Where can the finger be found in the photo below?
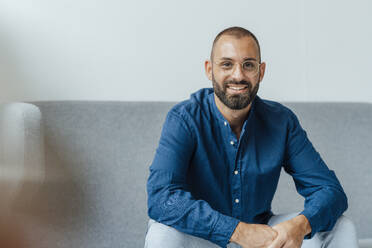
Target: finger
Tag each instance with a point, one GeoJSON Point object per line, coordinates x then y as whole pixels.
{"type": "Point", "coordinates": [286, 245]}
{"type": "Point", "coordinates": [275, 233]}
{"type": "Point", "coordinates": [292, 244]}
{"type": "Point", "coordinates": [277, 243]}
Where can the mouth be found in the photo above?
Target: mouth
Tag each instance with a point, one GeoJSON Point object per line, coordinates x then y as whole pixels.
{"type": "Point", "coordinates": [237, 88]}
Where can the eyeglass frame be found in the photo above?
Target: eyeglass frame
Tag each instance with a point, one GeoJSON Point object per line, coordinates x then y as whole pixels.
{"type": "Point", "coordinates": [241, 65]}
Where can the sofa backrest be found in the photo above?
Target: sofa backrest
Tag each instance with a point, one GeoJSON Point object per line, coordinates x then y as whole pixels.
{"type": "Point", "coordinates": [98, 154]}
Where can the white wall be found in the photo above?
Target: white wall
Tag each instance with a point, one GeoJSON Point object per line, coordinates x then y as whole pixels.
{"type": "Point", "coordinates": [315, 50]}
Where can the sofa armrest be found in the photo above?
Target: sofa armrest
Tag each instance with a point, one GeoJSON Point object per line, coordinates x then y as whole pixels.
{"type": "Point", "coordinates": [22, 164]}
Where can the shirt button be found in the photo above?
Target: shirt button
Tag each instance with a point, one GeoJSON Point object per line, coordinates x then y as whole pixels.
{"type": "Point", "coordinates": [236, 172]}
{"type": "Point", "coordinates": [225, 123]}
{"type": "Point", "coordinates": [232, 143]}
{"type": "Point", "coordinates": [236, 200]}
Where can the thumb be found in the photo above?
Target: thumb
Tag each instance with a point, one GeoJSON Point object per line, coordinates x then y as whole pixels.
{"type": "Point", "coordinates": [277, 243]}
{"type": "Point", "coordinates": [275, 231]}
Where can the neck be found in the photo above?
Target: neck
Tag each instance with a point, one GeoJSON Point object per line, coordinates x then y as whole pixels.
{"type": "Point", "coordinates": [235, 117]}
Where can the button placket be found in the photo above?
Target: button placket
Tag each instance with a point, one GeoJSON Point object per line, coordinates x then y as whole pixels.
{"type": "Point", "coordinates": [236, 180]}
{"type": "Point", "coordinates": [236, 189]}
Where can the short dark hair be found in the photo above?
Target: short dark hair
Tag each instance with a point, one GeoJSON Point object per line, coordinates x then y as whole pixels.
{"type": "Point", "coordinates": [237, 32]}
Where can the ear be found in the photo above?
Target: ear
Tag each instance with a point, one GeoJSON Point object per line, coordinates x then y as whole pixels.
{"type": "Point", "coordinates": [208, 69]}
{"type": "Point", "coordinates": [262, 71]}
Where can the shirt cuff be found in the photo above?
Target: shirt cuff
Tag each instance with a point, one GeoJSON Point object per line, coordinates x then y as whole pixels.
{"type": "Point", "coordinates": [223, 230]}
{"type": "Point", "coordinates": [313, 218]}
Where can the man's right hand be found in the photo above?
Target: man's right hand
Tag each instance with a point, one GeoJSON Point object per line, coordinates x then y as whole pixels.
{"type": "Point", "coordinates": [253, 235]}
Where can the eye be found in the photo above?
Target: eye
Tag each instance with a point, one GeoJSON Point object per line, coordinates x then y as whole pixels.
{"type": "Point", "coordinates": [226, 65]}
{"type": "Point", "coordinates": [249, 65]}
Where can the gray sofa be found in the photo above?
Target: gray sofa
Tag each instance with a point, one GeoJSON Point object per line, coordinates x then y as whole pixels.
{"type": "Point", "coordinates": [83, 166]}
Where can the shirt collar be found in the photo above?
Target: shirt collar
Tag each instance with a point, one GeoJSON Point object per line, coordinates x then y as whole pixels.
{"type": "Point", "coordinates": [221, 118]}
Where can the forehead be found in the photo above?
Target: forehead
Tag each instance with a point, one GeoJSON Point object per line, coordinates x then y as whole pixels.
{"type": "Point", "coordinates": [235, 48]}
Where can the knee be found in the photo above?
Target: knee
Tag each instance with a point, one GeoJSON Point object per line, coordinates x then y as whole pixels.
{"type": "Point", "coordinates": [159, 235]}
{"type": "Point", "coordinates": [345, 223]}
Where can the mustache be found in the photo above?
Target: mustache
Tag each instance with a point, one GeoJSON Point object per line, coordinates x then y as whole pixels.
{"type": "Point", "coordinates": [243, 82]}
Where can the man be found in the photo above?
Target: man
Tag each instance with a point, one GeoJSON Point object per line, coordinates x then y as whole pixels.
{"type": "Point", "coordinates": [218, 162]}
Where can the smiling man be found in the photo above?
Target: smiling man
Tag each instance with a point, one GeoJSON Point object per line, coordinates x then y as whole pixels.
{"type": "Point", "coordinates": [218, 163]}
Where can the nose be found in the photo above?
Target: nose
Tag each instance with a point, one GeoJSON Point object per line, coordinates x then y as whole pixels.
{"type": "Point", "coordinates": [237, 73]}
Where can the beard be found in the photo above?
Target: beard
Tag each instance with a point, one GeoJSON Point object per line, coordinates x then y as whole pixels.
{"type": "Point", "coordinates": [236, 101]}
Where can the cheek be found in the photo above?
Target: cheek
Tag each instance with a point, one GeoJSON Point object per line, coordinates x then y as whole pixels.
{"type": "Point", "coordinates": [254, 80]}
{"type": "Point", "coordinates": [258, 79]}
{"type": "Point", "coordinates": [219, 77]}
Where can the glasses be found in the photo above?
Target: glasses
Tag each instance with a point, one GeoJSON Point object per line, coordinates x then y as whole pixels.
{"type": "Point", "coordinates": [250, 67]}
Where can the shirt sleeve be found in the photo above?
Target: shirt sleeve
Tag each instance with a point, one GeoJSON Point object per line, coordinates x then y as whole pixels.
{"type": "Point", "coordinates": [169, 199]}
{"type": "Point", "coordinates": [325, 200]}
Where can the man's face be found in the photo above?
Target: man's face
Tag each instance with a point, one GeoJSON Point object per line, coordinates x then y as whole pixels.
{"type": "Point", "coordinates": [234, 82]}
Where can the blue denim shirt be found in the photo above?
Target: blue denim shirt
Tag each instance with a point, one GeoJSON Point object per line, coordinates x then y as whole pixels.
{"type": "Point", "coordinates": [203, 180]}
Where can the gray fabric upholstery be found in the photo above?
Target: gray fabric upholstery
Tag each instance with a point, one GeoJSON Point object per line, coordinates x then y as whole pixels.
{"type": "Point", "coordinates": [98, 154]}
{"type": "Point", "coordinates": [365, 243]}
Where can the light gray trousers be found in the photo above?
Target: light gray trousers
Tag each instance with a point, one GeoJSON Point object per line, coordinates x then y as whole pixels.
{"type": "Point", "coordinates": [343, 235]}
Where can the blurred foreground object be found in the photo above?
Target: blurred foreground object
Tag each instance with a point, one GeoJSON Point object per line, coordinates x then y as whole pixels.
{"type": "Point", "coordinates": [11, 234]}
{"type": "Point", "coordinates": [22, 168]}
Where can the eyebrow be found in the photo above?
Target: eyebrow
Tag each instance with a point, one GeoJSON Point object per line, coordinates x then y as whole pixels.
{"type": "Point", "coordinates": [245, 59]}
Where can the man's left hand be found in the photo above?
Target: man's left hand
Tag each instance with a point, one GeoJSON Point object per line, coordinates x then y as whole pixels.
{"type": "Point", "coordinates": [291, 233]}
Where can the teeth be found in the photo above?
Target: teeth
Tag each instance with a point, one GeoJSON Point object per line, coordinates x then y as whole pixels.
{"type": "Point", "coordinates": [237, 88]}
